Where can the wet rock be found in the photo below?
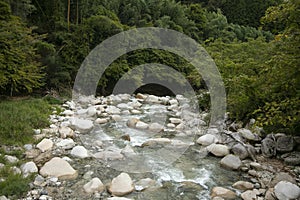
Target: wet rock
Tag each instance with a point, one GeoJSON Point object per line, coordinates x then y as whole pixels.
{"type": "Point", "coordinates": [268, 146]}
{"type": "Point", "coordinates": [285, 144]}
{"type": "Point", "coordinates": [156, 127]}
{"type": "Point", "coordinates": [45, 145]}
{"type": "Point", "coordinates": [223, 192]}
{"type": "Point", "coordinates": [141, 125]}
{"type": "Point", "coordinates": [250, 195]}
{"type": "Point", "coordinates": [132, 122]}
{"type": "Point", "coordinates": [240, 151]}
{"type": "Point", "coordinates": [29, 168]}
{"type": "Point", "coordinates": [121, 185]}
{"type": "Point", "coordinates": [243, 185]}
{"type": "Point", "coordinates": [144, 184]}
{"type": "Point", "coordinates": [218, 150]}
{"type": "Point", "coordinates": [109, 155]}
{"type": "Point", "coordinates": [128, 151]}
{"type": "Point", "coordinates": [286, 190]}
{"type": "Point", "coordinates": [207, 139]}
{"type": "Point", "coordinates": [95, 185]}
{"type": "Point", "coordinates": [65, 132]}
{"type": "Point", "coordinates": [156, 141]}
{"type": "Point", "coordinates": [59, 168]}
{"type": "Point", "coordinates": [66, 143]}
{"type": "Point", "coordinates": [116, 118]}
{"type": "Point", "coordinates": [231, 162]}
{"type": "Point", "coordinates": [80, 152]}
{"type": "Point", "coordinates": [126, 137]}
{"type": "Point", "coordinates": [82, 125]}
{"type": "Point", "coordinates": [292, 158]}
{"type": "Point", "coordinates": [11, 159]}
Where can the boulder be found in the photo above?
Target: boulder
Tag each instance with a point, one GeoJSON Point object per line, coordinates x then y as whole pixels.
{"type": "Point", "coordinates": [65, 132]}
{"type": "Point", "coordinates": [247, 134]}
{"type": "Point", "coordinates": [45, 145]}
{"type": "Point", "coordinates": [243, 185]}
{"type": "Point", "coordinates": [223, 192]}
{"type": "Point", "coordinates": [29, 168]}
{"type": "Point", "coordinates": [121, 185]}
{"type": "Point", "coordinates": [285, 144]}
{"type": "Point", "coordinates": [66, 143]}
{"type": "Point", "coordinates": [132, 122]}
{"type": "Point", "coordinates": [207, 139]}
{"type": "Point", "coordinates": [292, 158]}
{"type": "Point", "coordinates": [11, 159]}
{"type": "Point", "coordinates": [240, 151]}
{"type": "Point", "coordinates": [175, 120]}
{"type": "Point", "coordinates": [95, 185]}
{"type": "Point", "coordinates": [285, 190]}
{"type": "Point", "coordinates": [80, 152]}
{"type": "Point", "coordinates": [59, 168]}
{"type": "Point", "coordinates": [231, 162]}
{"type": "Point", "coordinates": [218, 150]}
{"type": "Point", "coordinates": [82, 125]}
{"type": "Point", "coordinates": [281, 176]}
{"type": "Point", "coordinates": [268, 146]}
{"type": "Point", "coordinates": [250, 195]}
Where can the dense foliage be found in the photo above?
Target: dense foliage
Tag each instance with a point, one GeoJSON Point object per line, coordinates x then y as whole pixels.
{"type": "Point", "coordinates": [255, 45]}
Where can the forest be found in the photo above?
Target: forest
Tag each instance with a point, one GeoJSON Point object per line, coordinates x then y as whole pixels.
{"type": "Point", "coordinates": [255, 44]}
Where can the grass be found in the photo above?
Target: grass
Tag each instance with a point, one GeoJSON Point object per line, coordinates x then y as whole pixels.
{"type": "Point", "coordinates": [19, 118]}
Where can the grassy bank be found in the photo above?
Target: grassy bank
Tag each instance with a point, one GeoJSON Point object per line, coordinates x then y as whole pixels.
{"type": "Point", "coordinates": [18, 118]}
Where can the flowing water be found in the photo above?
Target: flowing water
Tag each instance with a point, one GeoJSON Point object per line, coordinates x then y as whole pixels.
{"type": "Point", "coordinates": [180, 169]}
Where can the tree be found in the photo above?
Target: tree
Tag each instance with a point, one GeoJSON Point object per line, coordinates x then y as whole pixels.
{"type": "Point", "coordinates": [20, 70]}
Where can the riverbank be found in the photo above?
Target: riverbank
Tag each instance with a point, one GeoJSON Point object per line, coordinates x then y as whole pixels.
{"type": "Point", "coordinates": [93, 148]}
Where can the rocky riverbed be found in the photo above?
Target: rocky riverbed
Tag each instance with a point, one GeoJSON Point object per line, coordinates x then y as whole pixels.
{"type": "Point", "coordinates": [148, 147]}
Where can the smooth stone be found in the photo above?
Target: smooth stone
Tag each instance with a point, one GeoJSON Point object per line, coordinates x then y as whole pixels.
{"type": "Point", "coordinates": [80, 152]}
{"type": "Point", "coordinates": [231, 162]}
{"type": "Point", "coordinates": [223, 192]}
{"type": "Point", "coordinates": [243, 185]}
{"type": "Point", "coordinates": [28, 168]}
{"type": "Point", "coordinates": [95, 185]}
{"type": "Point", "coordinates": [82, 125]}
{"type": "Point", "coordinates": [247, 134]}
{"type": "Point", "coordinates": [207, 140]}
{"type": "Point", "coordinates": [101, 120]}
{"type": "Point", "coordinates": [140, 96]}
{"type": "Point", "coordinates": [285, 190]}
{"type": "Point", "coordinates": [116, 118]}
{"type": "Point", "coordinates": [240, 151]}
{"type": "Point", "coordinates": [141, 125]}
{"type": "Point", "coordinates": [175, 120]}
{"type": "Point", "coordinates": [45, 145]}
{"type": "Point", "coordinates": [59, 168]}
{"type": "Point", "coordinates": [170, 125]}
{"type": "Point", "coordinates": [121, 185]}
{"type": "Point", "coordinates": [250, 194]}
{"type": "Point", "coordinates": [218, 150]}
{"type": "Point", "coordinates": [68, 112]}
{"type": "Point", "coordinates": [156, 127]}
{"type": "Point", "coordinates": [282, 176]}
{"type": "Point", "coordinates": [112, 110]}
{"type": "Point", "coordinates": [11, 159]}
{"type": "Point", "coordinates": [152, 99]}
{"type": "Point", "coordinates": [65, 132]}
{"type": "Point", "coordinates": [91, 111]}
{"type": "Point", "coordinates": [132, 122]}
{"type": "Point", "coordinates": [66, 143]}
